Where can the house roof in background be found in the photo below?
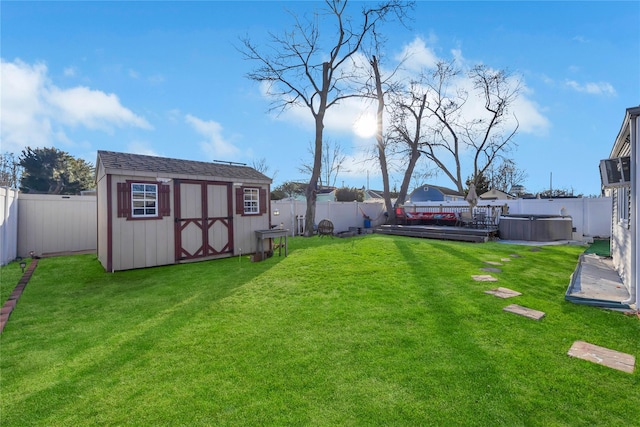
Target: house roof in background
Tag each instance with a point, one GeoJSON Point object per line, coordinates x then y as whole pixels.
{"type": "Point", "coordinates": [444, 190]}
{"type": "Point", "coordinates": [496, 194]}
{"type": "Point", "coordinates": [374, 194]}
{"type": "Point", "coordinates": [176, 168]}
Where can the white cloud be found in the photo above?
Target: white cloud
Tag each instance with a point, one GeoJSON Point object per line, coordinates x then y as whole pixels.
{"type": "Point", "coordinates": [215, 144]}
{"type": "Point", "coordinates": [417, 55]}
{"type": "Point", "coordinates": [36, 112]}
{"type": "Point", "coordinates": [24, 119]}
{"type": "Point", "coordinates": [592, 88]}
{"type": "Point", "coordinates": [94, 109]}
{"type": "Point", "coordinates": [530, 115]}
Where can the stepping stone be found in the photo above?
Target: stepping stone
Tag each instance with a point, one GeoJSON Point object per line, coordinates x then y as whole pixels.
{"type": "Point", "coordinates": [493, 263]}
{"type": "Point", "coordinates": [503, 292]}
{"type": "Point", "coordinates": [505, 259]}
{"type": "Point", "coordinates": [603, 356]}
{"type": "Point", "coordinates": [524, 311]}
{"type": "Point", "coordinates": [484, 278]}
{"type": "Point", "coordinates": [515, 256]}
{"type": "Point", "coordinates": [491, 270]}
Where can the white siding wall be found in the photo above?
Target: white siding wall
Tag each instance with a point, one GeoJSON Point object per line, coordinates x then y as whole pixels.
{"type": "Point", "coordinates": [49, 224]}
{"type": "Point", "coordinates": [8, 225]}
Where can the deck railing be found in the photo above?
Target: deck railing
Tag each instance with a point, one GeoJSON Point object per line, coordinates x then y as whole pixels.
{"type": "Point", "coordinates": [486, 215]}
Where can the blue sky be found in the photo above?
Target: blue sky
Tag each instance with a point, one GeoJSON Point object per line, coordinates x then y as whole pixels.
{"type": "Point", "coordinates": [166, 78]}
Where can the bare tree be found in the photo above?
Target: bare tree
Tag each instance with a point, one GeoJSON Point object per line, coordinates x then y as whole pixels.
{"type": "Point", "coordinates": [333, 159]}
{"type": "Point", "coordinates": [10, 170]}
{"type": "Point", "coordinates": [434, 118]}
{"type": "Point", "coordinates": [261, 166]}
{"type": "Point", "coordinates": [299, 72]}
{"type": "Point", "coordinates": [407, 130]}
{"type": "Point", "coordinates": [507, 176]}
{"type": "Point", "coordinates": [489, 136]}
{"type": "Point", "coordinates": [381, 139]}
{"type": "Point", "coordinates": [402, 138]}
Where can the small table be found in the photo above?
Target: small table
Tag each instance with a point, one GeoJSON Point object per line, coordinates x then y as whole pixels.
{"type": "Point", "coordinates": [272, 234]}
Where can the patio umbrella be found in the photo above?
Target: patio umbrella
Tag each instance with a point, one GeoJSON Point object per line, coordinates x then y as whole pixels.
{"type": "Point", "coordinates": [472, 197]}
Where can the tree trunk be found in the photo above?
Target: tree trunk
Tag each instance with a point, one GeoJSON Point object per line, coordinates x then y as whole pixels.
{"type": "Point", "coordinates": [312, 189]}
{"type": "Point", "coordinates": [382, 155]}
{"type": "Point", "coordinates": [406, 180]}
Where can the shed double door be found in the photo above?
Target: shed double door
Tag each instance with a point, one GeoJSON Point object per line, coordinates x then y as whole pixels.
{"type": "Point", "coordinates": [204, 219]}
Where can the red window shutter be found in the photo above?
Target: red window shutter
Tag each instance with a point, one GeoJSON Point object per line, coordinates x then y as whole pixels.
{"type": "Point", "coordinates": [124, 200]}
{"type": "Point", "coordinates": [239, 201]}
{"type": "Point", "coordinates": [164, 200]}
{"type": "Point", "coordinates": [263, 201]}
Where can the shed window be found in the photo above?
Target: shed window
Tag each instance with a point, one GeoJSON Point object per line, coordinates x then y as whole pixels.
{"type": "Point", "coordinates": [251, 197]}
{"type": "Point", "coordinates": [251, 201]}
{"type": "Point", "coordinates": [144, 200]}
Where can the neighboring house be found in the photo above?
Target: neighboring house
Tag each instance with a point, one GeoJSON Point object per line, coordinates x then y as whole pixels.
{"type": "Point", "coordinates": [325, 195]}
{"type": "Point", "coordinates": [433, 193]}
{"type": "Point", "coordinates": [377, 196]}
{"type": "Point", "coordinates": [621, 179]}
{"type": "Point", "coordinates": [494, 194]}
{"type": "Point", "coordinates": [373, 195]}
{"type": "Point", "coordinates": [155, 211]}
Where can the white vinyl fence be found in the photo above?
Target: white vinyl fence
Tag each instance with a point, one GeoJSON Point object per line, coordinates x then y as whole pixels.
{"type": "Point", "coordinates": [591, 217]}
{"type": "Point", "coordinates": [343, 215]}
{"type": "Point", "coordinates": [52, 224]}
{"type": "Point", "coordinates": [9, 225]}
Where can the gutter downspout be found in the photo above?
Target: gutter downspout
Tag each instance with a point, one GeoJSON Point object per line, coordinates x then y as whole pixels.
{"type": "Point", "coordinates": [634, 288]}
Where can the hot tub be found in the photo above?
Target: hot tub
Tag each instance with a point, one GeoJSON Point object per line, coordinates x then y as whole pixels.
{"type": "Point", "coordinates": [536, 228]}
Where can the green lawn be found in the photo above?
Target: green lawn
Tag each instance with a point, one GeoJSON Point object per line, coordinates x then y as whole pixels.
{"type": "Point", "coordinates": [600, 247]}
{"type": "Point", "coordinates": [370, 330]}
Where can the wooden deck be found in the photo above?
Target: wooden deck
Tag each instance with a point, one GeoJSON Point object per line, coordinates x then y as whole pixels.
{"type": "Point", "coordinates": [464, 234]}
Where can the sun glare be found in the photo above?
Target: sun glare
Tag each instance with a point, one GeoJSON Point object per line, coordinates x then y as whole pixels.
{"type": "Point", "coordinates": [365, 126]}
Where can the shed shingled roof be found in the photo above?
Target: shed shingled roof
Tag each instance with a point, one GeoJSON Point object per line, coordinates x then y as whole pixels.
{"type": "Point", "coordinates": [142, 163]}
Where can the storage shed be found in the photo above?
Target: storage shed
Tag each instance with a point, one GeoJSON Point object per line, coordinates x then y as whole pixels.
{"type": "Point", "coordinates": [156, 211]}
